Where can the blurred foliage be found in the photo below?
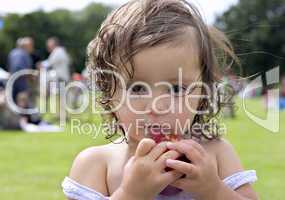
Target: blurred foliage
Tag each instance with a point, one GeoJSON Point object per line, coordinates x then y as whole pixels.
{"type": "Point", "coordinates": [74, 29]}
{"type": "Point", "coordinates": [256, 28]}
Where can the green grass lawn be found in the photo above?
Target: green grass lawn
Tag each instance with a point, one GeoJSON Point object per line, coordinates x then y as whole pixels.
{"type": "Point", "coordinates": [32, 166]}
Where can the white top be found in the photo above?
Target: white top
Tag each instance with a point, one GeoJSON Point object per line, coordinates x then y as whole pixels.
{"type": "Point", "coordinates": [59, 61]}
{"type": "Point", "coordinates": [4, 75]}
{"type": "Point", "coordinates": [74, 190]}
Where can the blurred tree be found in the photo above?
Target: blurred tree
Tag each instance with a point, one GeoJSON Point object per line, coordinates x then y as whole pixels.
{"type": "Point", "coordinates": [74, 29]}
{"type": "Point", "coordinates": [36, 25]}
{"type": "Point", "coordinates": [88, 21]}
{"type": "Point", "coordinates": [257, 30]}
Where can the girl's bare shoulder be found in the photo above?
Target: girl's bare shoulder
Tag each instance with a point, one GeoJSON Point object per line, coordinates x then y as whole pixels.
{"type": "Point", "coordinates": [89, 168]}
{"type": "Point", "coordinates": [217, 145]}
{"type": "Point", "coordinates": [226, 156]}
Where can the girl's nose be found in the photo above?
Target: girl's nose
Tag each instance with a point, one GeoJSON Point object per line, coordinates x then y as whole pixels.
{"type": "Point", "coordinates": [158, 105]}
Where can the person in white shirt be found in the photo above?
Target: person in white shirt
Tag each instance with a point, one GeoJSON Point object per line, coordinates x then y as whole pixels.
{"type": "Point", "coordinates": [58, 60]}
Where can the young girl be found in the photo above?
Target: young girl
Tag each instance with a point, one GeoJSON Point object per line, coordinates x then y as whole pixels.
{"type": "Point", "coordinates": [156, 64]}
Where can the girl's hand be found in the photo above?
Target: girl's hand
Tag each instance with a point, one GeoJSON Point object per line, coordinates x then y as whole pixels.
{"type": "Point", "coordinates": [202, 178]}
{"type": "Point", "coordinates": [144, 174]}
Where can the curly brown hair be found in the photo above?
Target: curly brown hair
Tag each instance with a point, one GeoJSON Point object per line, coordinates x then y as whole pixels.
{"type": "Point", "coordinates": [141, 24]}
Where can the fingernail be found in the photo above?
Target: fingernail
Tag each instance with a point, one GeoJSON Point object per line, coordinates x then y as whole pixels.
{"type": "Point", "coordinates": [162, 144]}
{"type": "Point", "coordinates": [170, 145]}
{"type": "Point", "coordinates": [170, 162]}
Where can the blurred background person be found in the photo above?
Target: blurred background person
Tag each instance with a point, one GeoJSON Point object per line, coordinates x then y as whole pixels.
{"type": "Point", "coordinates": [8, 119]}
{"type": "Point", "coordinates": [58, 60]}
{"type": "Point", "coordinates": [282, 94]}
{"type": "Point", "coordinates": [20, 59]}
{"type": "Point", "coordinates": [57, 67]}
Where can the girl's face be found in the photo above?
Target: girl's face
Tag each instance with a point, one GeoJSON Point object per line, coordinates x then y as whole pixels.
{"type": "Point", "coordinates": [157, 95]}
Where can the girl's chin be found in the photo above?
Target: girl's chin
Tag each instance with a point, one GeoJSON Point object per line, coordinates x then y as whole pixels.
{"type": "Point", "coordinates": [136, 138]}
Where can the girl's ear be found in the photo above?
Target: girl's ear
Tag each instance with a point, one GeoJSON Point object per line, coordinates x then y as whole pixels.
{"type": "Point", "coordinates": [116, 117]}
{"type": "Point", "coordinates": [118, 121]}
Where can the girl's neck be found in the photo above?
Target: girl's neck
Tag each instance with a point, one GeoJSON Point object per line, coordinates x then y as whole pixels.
{"type": "Point", "coordinates": [129, 147]}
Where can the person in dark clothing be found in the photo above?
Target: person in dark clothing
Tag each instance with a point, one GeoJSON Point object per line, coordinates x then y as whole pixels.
{"type": "Point", "coordinates": [36, 58]}
{"type": "Point", "coordinates": [19, 59]}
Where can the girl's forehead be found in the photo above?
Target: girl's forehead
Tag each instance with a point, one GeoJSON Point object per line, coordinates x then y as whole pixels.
{"type": "Point", "coordinates": [165, 63]}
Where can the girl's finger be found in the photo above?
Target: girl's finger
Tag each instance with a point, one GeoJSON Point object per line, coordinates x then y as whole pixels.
{"type": "Point", "coordinates": [171, 154]}
{"type": "Point", "coordinates": [195, 144]}
{"type": "Point", "coordinates": [182, 183]}
{"type": "Point", "coordinates": [144, 147]}
{"type": "Point", "coordinates": [129, 162]}
{"type": "Point", "coordinates": [171, 176]}
{"type": "Point", "coordinates": [183, 167]}
{"type": "Point", "coordinates": [185, 148]}
{"type": "Point", "coordinates": [156, 152]}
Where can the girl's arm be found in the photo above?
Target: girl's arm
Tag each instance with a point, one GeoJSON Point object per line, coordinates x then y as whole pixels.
{"type": "Point", "coordinates": [89, 169]}
{"type": "Point", "coordinates": [205, 172]}
{"type": "Point", "coordinates": [143, 174]}
{"type": "Point", "coordinates": [228, 164]}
